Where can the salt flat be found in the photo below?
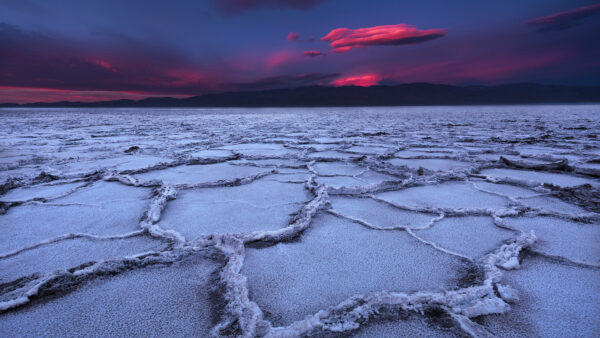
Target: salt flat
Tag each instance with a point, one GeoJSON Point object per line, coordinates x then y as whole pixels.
{"type": "Point", "coordinates": [372, 222]}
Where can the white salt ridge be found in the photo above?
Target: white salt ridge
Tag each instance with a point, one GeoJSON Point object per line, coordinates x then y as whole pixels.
{"type": "Point", "coordinates": [192, 174]}
{"type": "Point", "coordinates": [431, 164]}
{"type": "Point", "coordinates": [41, 191]}
{"type": "Point", "coordinates": [523, 160]}
{"type": "Point", "coordinates": [332, 155]}
{"type": "Point", "coordinates": [416, 154]}
{"type": "Point", "coordinates": [262, 149]}
{"type": "Point", "coordinates": [516, 162]}
{"type": "Point", "coordinates": [128, 162]}
{"type": "Point", "coordinates": [70, 253]}
{"type": "Point", "coordinates": [536, 177]}
{"type": "Point", "coordinates": [279, 163]}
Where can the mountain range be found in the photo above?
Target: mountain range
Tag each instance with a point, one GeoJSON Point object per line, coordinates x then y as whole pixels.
{"type": "Point", "coordinates": [396, 95]}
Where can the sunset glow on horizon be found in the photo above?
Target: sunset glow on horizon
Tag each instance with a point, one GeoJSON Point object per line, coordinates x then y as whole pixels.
{"type": "Point", "coordinates": [365, 80]}
{"type": "Point", "coordinates": [261, 45]}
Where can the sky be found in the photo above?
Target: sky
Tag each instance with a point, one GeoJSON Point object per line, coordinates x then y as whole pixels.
{"type": "Point", "coordinates": [54, 50]}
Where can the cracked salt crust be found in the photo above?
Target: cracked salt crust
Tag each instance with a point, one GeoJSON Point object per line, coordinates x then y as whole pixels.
{"type": "Point", "coordinates": [292, 222]}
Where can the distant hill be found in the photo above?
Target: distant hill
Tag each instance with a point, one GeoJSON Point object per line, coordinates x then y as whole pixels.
{"type": "Point", "coordinates": [398, 95]}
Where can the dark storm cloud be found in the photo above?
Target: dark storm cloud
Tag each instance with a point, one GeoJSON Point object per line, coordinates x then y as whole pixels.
{"type": "Point", "coordinates": [565, 20]}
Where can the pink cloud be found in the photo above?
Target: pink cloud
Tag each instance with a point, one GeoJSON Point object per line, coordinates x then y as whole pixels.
{"type": "Point", "coordinates": [345, 39]}
{"type": "Point", "coordinates": [342, 49]}
{"type": "Point", "coordinates": [566, 19]}
{"type": "Point", "coordinates": [293, 36]}
{"type": "Point", "coordinates": [365, 80]}
{"type": "Point", "coordinates": [280, 58]}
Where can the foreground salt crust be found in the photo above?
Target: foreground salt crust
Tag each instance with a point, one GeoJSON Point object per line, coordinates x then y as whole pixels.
{"type": "Point", "coordinates": [562, 238]}
{"type": "Point", "coordinates": [158, 301]}
{"type": "Point", "coordinates": [337, 259]}
{"type": "Point", "coordinates": [555, 299]}
{"type": "Point", "coordinates": [295, 222]}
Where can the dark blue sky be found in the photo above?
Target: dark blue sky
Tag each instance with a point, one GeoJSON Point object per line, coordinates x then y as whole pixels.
{"type": "Point", "coordinates": [94, 50]}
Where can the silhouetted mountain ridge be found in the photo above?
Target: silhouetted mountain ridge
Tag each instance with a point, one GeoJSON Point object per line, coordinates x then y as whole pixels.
{"type": "Point", "coordinates": [398, 95]}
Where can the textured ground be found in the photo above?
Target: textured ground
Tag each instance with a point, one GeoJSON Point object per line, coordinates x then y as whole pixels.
{"type": "Point", "coordinates": [379, 222]}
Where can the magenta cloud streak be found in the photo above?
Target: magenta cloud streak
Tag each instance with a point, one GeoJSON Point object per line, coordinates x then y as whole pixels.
{"type": "Point", "coordinates": [345, 39]}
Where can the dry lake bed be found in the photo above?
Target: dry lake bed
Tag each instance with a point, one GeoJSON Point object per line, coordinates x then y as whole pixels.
{"type": "Point", "coordinates": [368, 222]}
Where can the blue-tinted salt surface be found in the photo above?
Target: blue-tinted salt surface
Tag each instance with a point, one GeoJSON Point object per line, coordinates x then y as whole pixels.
{"type": "Point", "coordinates": [243, 222]}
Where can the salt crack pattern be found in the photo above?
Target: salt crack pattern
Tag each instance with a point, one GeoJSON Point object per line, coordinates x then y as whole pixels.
{"type": "Point", "coordinates": [525, 165]}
